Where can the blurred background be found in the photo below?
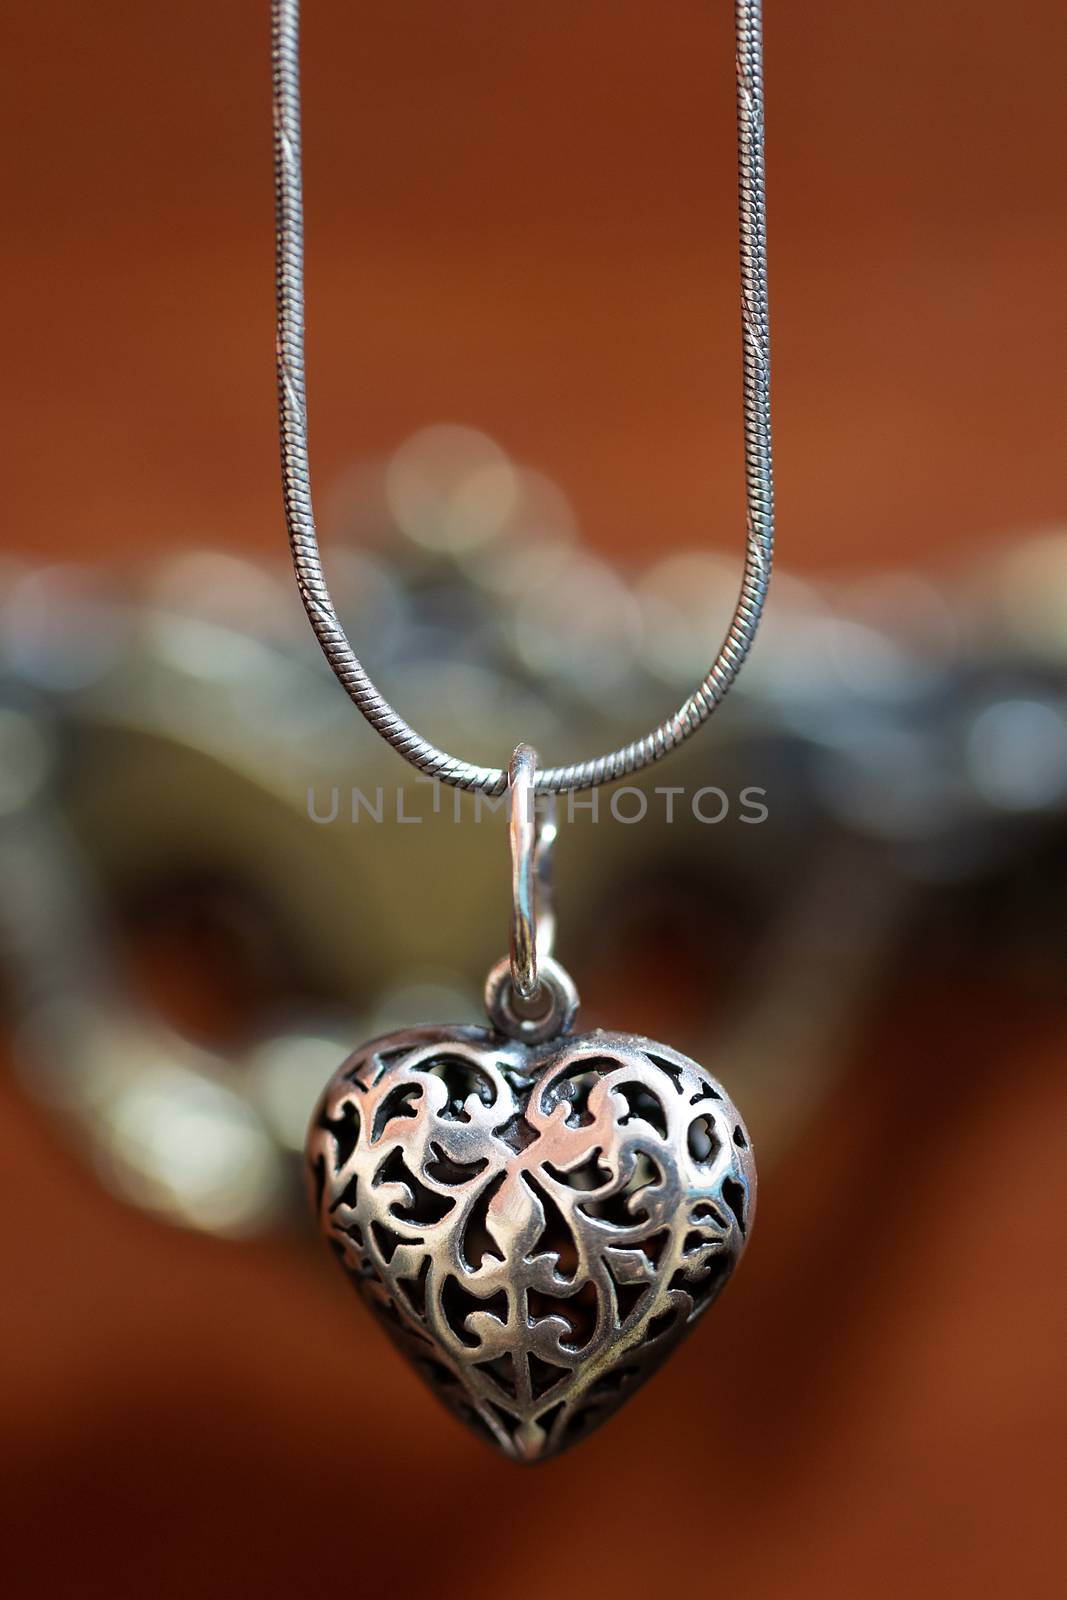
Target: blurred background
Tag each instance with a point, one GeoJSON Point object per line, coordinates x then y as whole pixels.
{"type": "Point", "coordinates": [524, 384]}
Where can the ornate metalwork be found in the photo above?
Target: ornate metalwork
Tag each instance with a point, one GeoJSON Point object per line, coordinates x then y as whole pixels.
{"type": "Point", "coordinates": [537, 1226]}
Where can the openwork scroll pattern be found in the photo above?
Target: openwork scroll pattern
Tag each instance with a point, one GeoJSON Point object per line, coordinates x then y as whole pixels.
{"type": "Point", "coordinates": [536, 1227]}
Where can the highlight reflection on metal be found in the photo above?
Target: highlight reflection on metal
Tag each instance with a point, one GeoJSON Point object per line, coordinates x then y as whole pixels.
{"type": "Point", "coordinates": [551, 1013]}
{"type": "Point", "coordinates": [536, 1228]}
{"type": "Point", "coordinates": [532, 834]}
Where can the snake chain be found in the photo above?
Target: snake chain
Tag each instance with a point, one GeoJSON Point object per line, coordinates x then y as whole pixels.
{"type": "Point", "coordinates": [292, 404]}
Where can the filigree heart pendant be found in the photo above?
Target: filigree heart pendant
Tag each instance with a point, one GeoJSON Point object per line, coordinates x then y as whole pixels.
{"type": "Point", "coordinates": [537, 1226]}
{"type": "Point", "coordinates": [538, 1217]}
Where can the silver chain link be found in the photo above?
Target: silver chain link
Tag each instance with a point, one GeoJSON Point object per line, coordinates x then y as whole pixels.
{"type": "Point", "coordinates": [292, 406]}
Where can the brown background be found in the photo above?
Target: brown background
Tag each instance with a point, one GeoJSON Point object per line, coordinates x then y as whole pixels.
{"type": "Point", "coordinates": [521, 217]}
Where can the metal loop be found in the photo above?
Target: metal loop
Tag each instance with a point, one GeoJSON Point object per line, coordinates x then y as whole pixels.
{"type": "Point", "coordinates": [554, 1016]}
{"type": "Point", "coordinates": [296, 483]}
{"type": "Point", "coordinates": [532, 833]}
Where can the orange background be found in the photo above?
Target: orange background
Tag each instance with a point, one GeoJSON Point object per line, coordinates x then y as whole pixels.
{"type": "Point", "coordinates": [522, 217]}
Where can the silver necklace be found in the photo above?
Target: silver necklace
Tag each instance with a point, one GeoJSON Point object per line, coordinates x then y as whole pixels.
{"type": "Point", "coordinates": [537, 1216]}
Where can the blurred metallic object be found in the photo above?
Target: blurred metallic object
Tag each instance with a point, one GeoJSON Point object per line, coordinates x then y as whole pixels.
{"type": "Point", "coordinates": [178, 1142]}
{"type": "Point", "coordinates": [536, 1227]}
{"type": "Point", "coordinates": [63, 627]}
{"type": "Point", "coordinates": [167, 1132]}
{"type": "Point", "coordinates": [466, 512]}
{"type": "Point", "coordinates": [904, 731]}
{"type": "Point", "coordinates": [451, 489]}
{"type": "Point", "coordinates": [1017, 754]}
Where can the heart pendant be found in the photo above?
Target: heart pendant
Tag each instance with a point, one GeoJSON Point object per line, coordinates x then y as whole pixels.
{"type": "Point", "coordinates": [537, 1224]}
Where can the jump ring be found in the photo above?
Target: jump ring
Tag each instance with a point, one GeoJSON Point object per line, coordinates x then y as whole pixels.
{"type": "Point", "coordinates": [509, 1016]}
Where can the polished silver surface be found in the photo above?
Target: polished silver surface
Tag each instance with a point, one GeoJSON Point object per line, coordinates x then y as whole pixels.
{"type": "Point", "coordinates": [536, 1227]}
{"type": "Point", "coordinates": [531, 835]}
{"type": "Point", "coordinates": [550, 1013]}
{"type": "Point", "coordinates": [296, 483]}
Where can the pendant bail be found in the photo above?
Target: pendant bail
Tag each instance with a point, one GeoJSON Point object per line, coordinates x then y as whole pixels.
{"type": "Point", "coordinates": [528, 995]}
{"type": "Point", "coordinates": [532, 833]}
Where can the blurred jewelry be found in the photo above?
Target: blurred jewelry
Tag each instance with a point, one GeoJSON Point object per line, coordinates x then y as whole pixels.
{"type": "Point", "coordinates": [537, 1216]}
